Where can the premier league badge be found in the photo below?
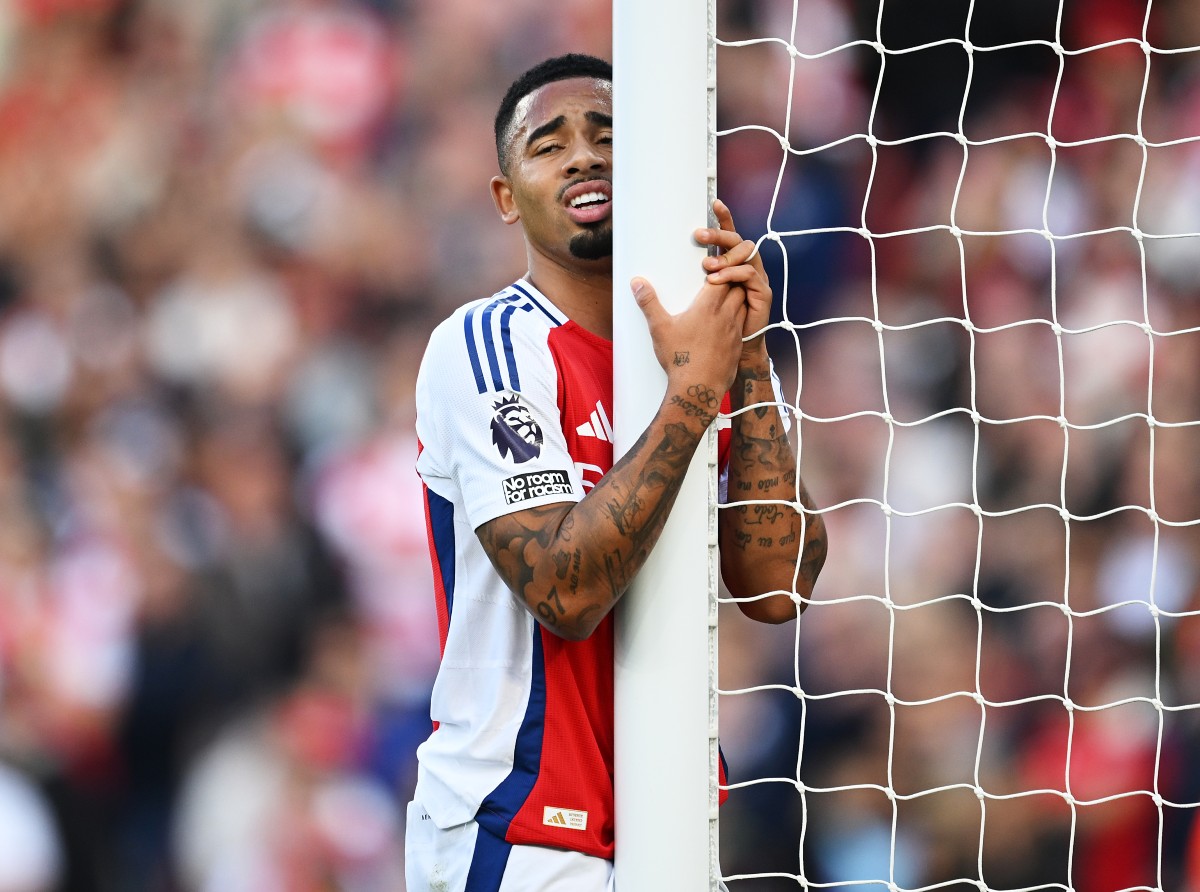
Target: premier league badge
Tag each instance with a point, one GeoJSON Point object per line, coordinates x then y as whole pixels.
{"type": "Point", "coordinates": [514, 430]}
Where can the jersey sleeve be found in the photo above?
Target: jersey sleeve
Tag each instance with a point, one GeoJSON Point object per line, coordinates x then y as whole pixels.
{"type": "Point", "coordinates": [488, 416]}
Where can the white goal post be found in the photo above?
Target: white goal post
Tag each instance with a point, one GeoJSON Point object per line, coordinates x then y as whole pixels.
{"type": "Point", "coordinates": [666, 624]}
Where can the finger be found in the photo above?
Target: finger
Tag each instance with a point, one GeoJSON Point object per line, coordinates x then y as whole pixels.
{"type": "Point", "coordinates": [724, 215]}
{"type": "Point", "coordinates": [742, 252]}
{"type": "Point", "coordinates": [735, 301]}
{"type": "Point", "coordinates": [717, 238]}
{"type": "Point", "coordinates": [741, 310]}
{"type": "Point", "coordinates": [734, 249]}
{"type": "Point", "coordinates": [647, 301]}
{"type": "Point", "coordinates": [747, 274]}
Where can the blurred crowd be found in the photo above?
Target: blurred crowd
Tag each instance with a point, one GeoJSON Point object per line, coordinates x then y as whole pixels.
{"type": "Point", "coordinates": [226, 229]}
{"type": "Point", "coordinates": [996, 685]}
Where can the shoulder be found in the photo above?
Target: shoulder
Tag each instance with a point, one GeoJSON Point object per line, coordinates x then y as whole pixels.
{"type": "Point", "coordinates": [490, 340]}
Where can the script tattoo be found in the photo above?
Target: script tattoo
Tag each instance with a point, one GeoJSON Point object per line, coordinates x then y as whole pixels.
{"type": "Point", "coordinates": [701, 402]}
{"type": "Point", "coordinates": [816, 549]}
{"type": "Point", "coordinates": [771, 533]}
{"type": "Point", "coordinates": [691, 410]}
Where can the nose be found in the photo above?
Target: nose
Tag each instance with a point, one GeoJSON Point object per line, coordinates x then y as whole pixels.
{"type": "Point", "coordinates": [583, 155]}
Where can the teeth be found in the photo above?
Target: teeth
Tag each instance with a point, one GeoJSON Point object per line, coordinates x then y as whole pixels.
{"type": "Point", "coordinates": [588, 198]}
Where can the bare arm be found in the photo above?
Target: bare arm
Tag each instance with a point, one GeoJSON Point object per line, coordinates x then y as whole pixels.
{"type": "Point", "coordinates": [761, 543]}
{"type": "Point", "coordinates": [570, 563]}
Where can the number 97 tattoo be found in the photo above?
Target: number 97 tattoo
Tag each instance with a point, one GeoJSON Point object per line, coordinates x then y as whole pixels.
{"type": "Point", "coordinates": [551, 608]}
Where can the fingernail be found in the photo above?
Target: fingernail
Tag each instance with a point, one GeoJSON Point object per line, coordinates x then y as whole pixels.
{"type": "Point", "coordinates": [638, 286]}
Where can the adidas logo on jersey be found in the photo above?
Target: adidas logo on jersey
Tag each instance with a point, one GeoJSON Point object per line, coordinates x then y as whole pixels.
{"type": "Point", "coordinates": [567, 818]}
{"type": "Point", "coordinates": [599, 426]}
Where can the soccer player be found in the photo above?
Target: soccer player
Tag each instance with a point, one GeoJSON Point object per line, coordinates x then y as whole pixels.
{"type": "Point", "coordinates": [535, 533]}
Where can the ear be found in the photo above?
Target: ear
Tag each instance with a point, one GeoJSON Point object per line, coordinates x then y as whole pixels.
{"type": "Point", "coordinates": [502, 197]}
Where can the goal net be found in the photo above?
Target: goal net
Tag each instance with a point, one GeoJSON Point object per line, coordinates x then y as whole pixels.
{"type": "Point", "coordinates": [982, 223]}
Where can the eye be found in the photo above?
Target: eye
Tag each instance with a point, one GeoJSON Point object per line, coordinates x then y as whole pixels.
{"type": "Point", "coordinates": [605, 140]}
{"type": "Point", "coordinates": [546, 148]}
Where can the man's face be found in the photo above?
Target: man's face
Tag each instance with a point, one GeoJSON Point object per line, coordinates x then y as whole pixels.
{"type": "Point", "coordinates": [559, 178]}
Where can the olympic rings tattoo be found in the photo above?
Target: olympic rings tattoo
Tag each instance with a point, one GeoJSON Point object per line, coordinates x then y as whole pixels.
{"type": "Point", "coordinates": [705, 395]}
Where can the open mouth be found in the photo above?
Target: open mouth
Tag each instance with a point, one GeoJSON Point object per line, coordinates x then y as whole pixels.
{"type": "Point", "coordinates": [589, 202]}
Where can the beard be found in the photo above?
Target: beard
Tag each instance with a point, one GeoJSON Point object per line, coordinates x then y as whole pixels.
{"type": "Point", "coordinates": [593, 244]}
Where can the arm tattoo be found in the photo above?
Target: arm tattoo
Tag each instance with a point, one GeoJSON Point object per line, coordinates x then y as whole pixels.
{"type": "Point", "coordinates": [666, 467]}
{"type": "Point", "coordinates": [507, 541]}
{"type": "Point", "coordinates": [767, 540]}
{"type": "Point", "coordinates": [701, 402]}
{"type": "Point", "coordinates": [569, 563]}
{"type": "Point", "coordinates": [692, 410]}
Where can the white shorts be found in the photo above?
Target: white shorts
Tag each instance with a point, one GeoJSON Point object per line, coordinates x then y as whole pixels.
{"type": "Point", "coordinates": [467, 858]}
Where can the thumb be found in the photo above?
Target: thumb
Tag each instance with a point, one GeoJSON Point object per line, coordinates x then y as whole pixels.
{"type": "Point", "coordinates": [647, 300]}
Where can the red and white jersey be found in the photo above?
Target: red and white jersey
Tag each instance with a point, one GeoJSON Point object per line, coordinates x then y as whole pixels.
{"type": "Point", "coordinates": [514, 403]}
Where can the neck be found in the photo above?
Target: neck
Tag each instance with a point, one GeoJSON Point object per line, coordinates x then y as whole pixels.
{"type": "Point", "coordinates": [584, 290]}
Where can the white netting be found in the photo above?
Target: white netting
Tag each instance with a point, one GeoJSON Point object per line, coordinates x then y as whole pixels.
{"type": "Point", "coordinates": [983, 225]}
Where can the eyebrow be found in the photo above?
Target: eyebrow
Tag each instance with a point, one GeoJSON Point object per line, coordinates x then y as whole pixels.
{"type": "Point", "coordinates": [547, 128]}
{"type": "Point", "coordinates": [598, 118]}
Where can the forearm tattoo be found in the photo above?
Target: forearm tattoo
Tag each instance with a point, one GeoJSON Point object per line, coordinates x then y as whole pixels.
{"type": "Point", "coordinates": [700, 402]}
{"type": "Point", "coordinates": [762, 466]}
{"type": "Point", "coordinates": [510, 540]}
{"type": "Point", "coordinates": [639, 501]}
{"type": "Point", "coordinates": [571, 563]}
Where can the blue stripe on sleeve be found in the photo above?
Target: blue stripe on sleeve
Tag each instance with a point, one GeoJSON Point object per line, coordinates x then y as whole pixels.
{"type": "Point", "coordinates": [513, 299]}
{"type": "Point", "coordinates": [506, 338]}
{"type": "Point", "coordinates": [489, 343]}
{"type": "Point", "coordinates": [472, 351]}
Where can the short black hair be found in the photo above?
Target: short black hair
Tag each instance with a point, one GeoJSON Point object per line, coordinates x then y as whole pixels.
{"type": "Point", "coordinates": [559, 68]}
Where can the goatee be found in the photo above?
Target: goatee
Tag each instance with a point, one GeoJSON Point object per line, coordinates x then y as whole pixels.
{"type": "Point", "coordinates": [592, 244]}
